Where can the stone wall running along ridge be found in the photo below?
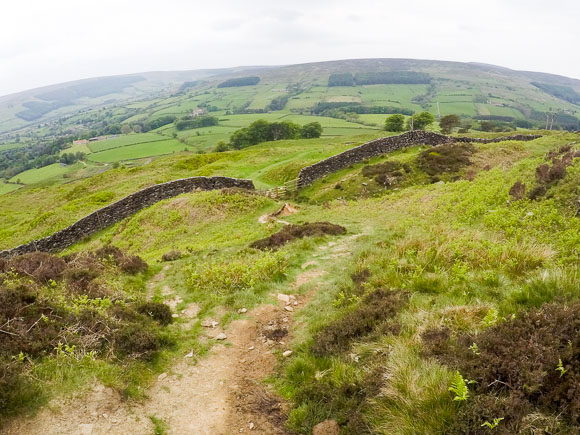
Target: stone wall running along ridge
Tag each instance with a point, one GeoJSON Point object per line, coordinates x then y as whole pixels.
{"type": "Point", "coordinates": [386, 145]}
{"type": "Point", "coordinates": [123, 208]}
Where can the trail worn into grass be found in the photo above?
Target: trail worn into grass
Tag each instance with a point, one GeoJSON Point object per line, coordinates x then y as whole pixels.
{"type": "Point", "coordinates": [221, 393]}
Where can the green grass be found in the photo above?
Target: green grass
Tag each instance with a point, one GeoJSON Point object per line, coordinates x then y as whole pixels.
{"type": "Point", "coordinates": [138, 151]}
{"type": "Point", "coordinates": [8, 187]}
{"type": "Point", "coordinates": [33, 176]}
{"type": "Point", "coordinates": [124, 140]}
{"type": "Point", "coordinates": [160, 427]}
{"type": "Point", "coordinates": [46, 213]}
{"type": "Point", "coordinates": [77, 149]}
{"type": "Point", "coordinates": [457, 249]}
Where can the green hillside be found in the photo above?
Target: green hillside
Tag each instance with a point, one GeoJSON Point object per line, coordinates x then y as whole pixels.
{"type": "Point", "coordinates": [347, 98]}
{"type": "Point", "coordinates": [428, 290]}
{"type": "Point", "coordinates": [440, 266]}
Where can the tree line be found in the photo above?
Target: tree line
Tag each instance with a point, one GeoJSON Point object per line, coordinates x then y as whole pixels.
{"type": "Point", "coordinates": [17, 160]}
{"type": "Point", "coordinates": [264, 131]}
{"type": "Point", "coordinates": [379, 78]}
{"type": "Point", "coordinates": [187, 123]}
{"type": "Point", "coordinates": [241, 81]}
{"type": "Point", "coordinates": [321, 107]}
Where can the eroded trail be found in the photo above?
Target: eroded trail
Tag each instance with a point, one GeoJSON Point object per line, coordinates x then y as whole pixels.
{"type": "Point", "coordinates": [222, 393]}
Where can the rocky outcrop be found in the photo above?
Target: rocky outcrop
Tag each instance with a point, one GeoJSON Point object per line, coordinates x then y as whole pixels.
{"type": "Point", "coordinates": [386, 145]}
{"type": "Point", "coordinates": [123, 208]}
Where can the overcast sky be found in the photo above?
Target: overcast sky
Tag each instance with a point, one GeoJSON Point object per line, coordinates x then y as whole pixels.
{"type": "Point", "coordinates": [52, 41]}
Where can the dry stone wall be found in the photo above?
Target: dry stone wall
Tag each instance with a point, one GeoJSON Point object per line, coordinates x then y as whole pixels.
{"type": "Point", "coordinates": [386, 145]}
{"type": "Point", "coordinates": [123, 208]}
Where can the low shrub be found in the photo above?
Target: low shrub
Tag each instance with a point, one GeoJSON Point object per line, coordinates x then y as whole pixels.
{"type": "Point", "coordinates": [40, 321]}
{"type": "Point", "coordinates": [31, 325]}
{"type": "Point", "coordinates": [128, 264]}
{"type": "Point", "coordinates": [39, 265]}
{"type": "Point", "coordinates": [447, 158]}
{"type": "Point", "coordinates": [517, 191]}
{"type": "Point", "coordinates": [157, 311]}
{"type": "Point", "coordinates": [387, 173]}
{"type": "Point", "coordinates": [557, 171]}
{"type": "Point", "coordinates": [373, 310]}
{"type": "Point", "coordinates": [109, 253]}
{"type": "Point", "coordinates": [137, 341]}
{"type": "Point", "coordinates": [79, 279]}
{"type": "Point", "coordinates": [292, 232]}
{"type": "Point", "coordinates": [537, 192]}
{"type": "Point", "coordinates": [171, 255]}
{"type": "Point", "coordinates": [542, 173]}
{"type": "Point", "coordinates": [523, 366]}
{"type": "Point", "coordinates": [133, 265]}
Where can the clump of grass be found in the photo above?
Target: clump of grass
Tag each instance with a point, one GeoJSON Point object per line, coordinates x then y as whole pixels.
{"type": "Point", "coordinates": [223, 276]}
{"type": "Point", "coordinates": [292, 232]}
{"type": "Point", "coordinates": [160, 427]}
{"type": "Point", "coordinates": [335, 390]}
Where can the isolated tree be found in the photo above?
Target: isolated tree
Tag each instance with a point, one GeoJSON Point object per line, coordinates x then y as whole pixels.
{"type": "Point", "coordinates": [448, 123]}
{"type": "Point", "coordinates": [125, 129]}
{"type": "Point", "coordinates": [311, 130]}
{"type": "Point", "coordinates": [221, 147]}
{"type": "Point", "coordinates": [395, 122]}
{"type": "Point", "coordinates": [137, 128]}
{"type": "Point", "coordinates": [422, 120]}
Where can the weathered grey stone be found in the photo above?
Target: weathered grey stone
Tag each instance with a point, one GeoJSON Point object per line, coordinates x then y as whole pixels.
{"type": "Point", "coordinates": [122, 209]}
{"type": "Point", "coordinates": [386, 145]}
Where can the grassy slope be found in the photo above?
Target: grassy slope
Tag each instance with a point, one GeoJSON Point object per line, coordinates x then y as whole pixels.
{"type": "Point", "coordinates": [457, 87]}
{"type": "Point", "coordinates": [33, 176]}
{"type": "Point", "coordinates": [459, 248]}
{"type": "Point", "coordinates": [50, 209]}
{"type": "Point", "coordinates": [138, 151]}
{"type": "Point", "coordinates": [8, 187]}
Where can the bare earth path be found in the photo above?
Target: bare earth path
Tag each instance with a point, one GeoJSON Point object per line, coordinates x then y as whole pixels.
{"type": "Point", "coordinates": [222, 393]}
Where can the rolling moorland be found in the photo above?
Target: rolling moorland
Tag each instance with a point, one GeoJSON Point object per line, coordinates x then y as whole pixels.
{"type": "Point", "coordinates": [428, 290]}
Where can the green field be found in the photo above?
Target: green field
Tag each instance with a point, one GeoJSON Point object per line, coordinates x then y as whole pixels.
{"type": "Point", "coordinates": [77, 149]}
{"type": "Point", "coordinates": [8, 187]}
{"type": "Point", "coordinates": [32, 176]}
{"type": "Point", "coordinates": [124, 140]}
{"type": "Point", "coordinates": [138, 151]}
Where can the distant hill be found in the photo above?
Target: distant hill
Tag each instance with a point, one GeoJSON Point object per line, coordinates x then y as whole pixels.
{"type": "Point", "coordinates": [469, 89]}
